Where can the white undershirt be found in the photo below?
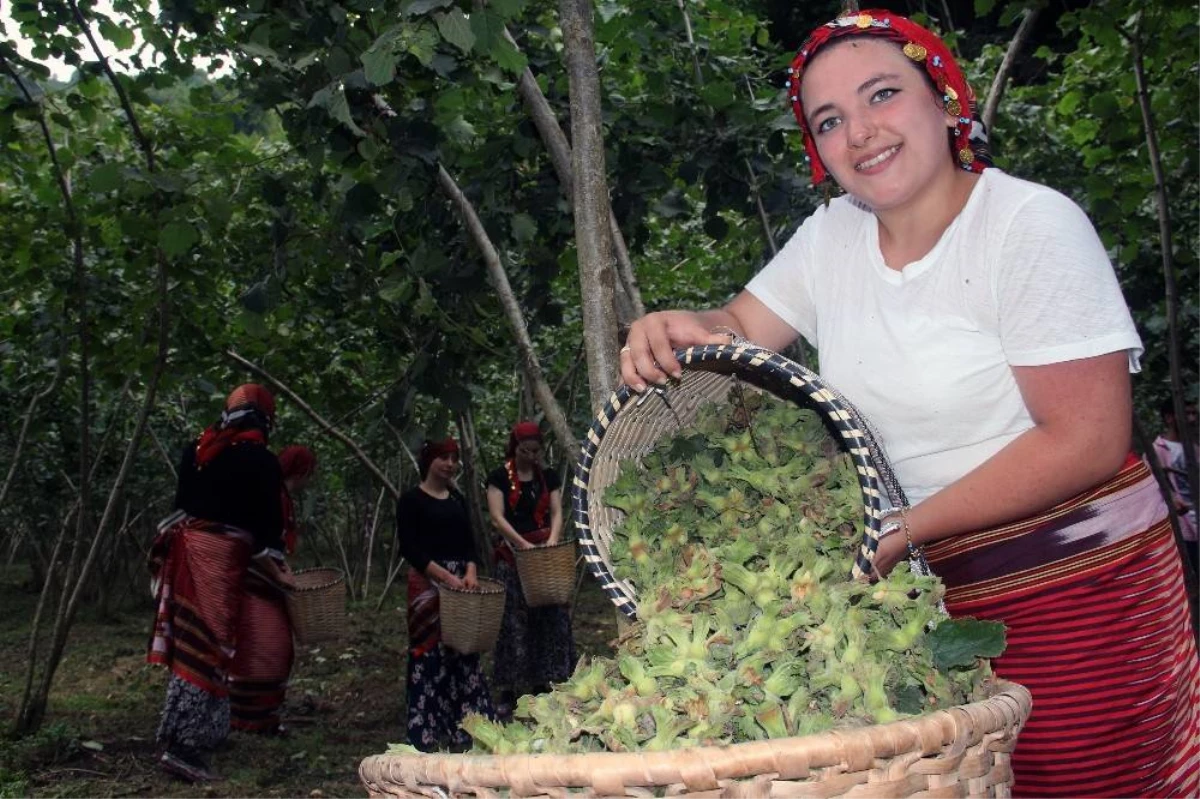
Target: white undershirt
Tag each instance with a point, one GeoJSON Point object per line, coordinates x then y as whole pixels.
{"type": "Point", "coordinates": [1019, 278]}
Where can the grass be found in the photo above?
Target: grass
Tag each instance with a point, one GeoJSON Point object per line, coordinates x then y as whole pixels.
{"type": "Point", "coordinates": [346, 701]}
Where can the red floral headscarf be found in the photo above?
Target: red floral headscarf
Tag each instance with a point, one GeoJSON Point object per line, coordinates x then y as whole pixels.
{"type": "Point", "coordinates": [525, 431]}
{"type": "Point", "coordinates": [249, 415]}
{"type": "Point", "coordinates": [925, 49]}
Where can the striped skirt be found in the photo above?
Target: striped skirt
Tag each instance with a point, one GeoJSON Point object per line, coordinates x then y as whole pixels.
{"type": "Point", "coordinates": [1099, 632]}
{"type": "Point", "coordinates": [259, 675]}
{"type": "Point", "coordinates": [198, 594]}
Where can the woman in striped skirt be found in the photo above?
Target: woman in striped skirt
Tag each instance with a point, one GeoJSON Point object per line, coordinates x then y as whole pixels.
{"type": "Point", "coordinates": [227, 518]}
{"type": "Point", "coordinates": [974, 317]}
{"type": "Point", "coordinates": [259, 675]}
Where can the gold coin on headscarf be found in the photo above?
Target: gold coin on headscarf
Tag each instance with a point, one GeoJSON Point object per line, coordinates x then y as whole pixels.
{"type": "Point", "coordinates": [954, 108]}
{"type": "Point", "coordinates": [915, 51]}
{"type": "Point", "coordinates": [965, 155]}
{"type": "Point", "coordinates": [864, 21]}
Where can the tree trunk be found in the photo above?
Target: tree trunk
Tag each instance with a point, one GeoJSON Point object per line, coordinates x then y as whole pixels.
{"type": "Point", "coordinates": [590, 198]}
{"type": "Point", "coordinates": [628, 297]}
{"type": "Point", "coordinates": [512, 309]}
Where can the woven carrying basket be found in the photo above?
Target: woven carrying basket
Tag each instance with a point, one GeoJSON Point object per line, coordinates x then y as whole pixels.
{"type": "Point", "coordinates": [317, 606]}
{"type": "Point", "coordinates": [470, 619]}
{"type": "Point", "coordinates": [963, 751]}
{"type": "Point", "coordinates": [629, 425]}
{"type": "Point", "coordinates": [547, 573]}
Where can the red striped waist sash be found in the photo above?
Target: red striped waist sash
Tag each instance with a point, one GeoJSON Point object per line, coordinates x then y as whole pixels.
{"type": "Point", "coordinates": [1082, 534]}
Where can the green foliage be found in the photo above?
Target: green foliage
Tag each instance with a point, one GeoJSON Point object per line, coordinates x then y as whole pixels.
{"type": "Point", "coordinates": [739, 534]}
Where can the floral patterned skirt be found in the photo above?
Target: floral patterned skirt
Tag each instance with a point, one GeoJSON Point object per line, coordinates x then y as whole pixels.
{"type": "Point", "coordinates": [443, 686]}
{"type": "Point", "coordinates": [194, 721]}
{"type": "Point", "coordinates": [536, 645]}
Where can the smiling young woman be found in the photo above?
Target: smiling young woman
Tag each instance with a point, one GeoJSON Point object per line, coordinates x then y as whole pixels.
{"type": "Point", "coordinates": [975, 319]}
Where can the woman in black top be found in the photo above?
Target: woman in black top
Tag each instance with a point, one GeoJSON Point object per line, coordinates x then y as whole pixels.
{"type": "Point", "coordinates": [227, 516]}
{"type": "Point", "coordinates": [433, 532]}
{"type": "Point", "coordinates": [536, 646]}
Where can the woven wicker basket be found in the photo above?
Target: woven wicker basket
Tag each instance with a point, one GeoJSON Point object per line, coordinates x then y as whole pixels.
{"type": "Point", "coordinates": [630, 424]}
{"type": "Point", "coordinates": [963, 751]}
{"type": "Point", "coordinates": [547, 573]}
{"type": "Point", "coordinates": [471, 619]}
{"type": "Point", "coordinates": [317, 606]}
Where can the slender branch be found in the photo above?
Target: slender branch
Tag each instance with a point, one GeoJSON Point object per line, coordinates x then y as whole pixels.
{"type": "Point", "coordinates": [687, 27]}
{"type": "Point", "coordinates": [1168, 266]}
{"type": "Point", "coordinates": [34, 401]}
{"type": "Point", "coordinates": [512, 310]}
{"type": "Point", "coordinates": [1000, 81]}
{"type": "Point", "coordinates": [363, 458]}
{"type": "Point", "coordinates": [122, 95]}
{"type": "Point", "coordinates": [763, 219]}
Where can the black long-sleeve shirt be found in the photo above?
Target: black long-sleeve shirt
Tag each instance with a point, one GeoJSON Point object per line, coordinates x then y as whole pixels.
{"type": "Point", "coordinates": [431, 529]}
{"type": "Point", "coordinates": [242, 486]}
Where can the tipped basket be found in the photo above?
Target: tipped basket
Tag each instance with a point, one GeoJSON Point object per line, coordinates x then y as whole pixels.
{"type": "Point", "coordinates": [317, 606]}
{"type": "Point", "coordinates": [470, 618]}
{"type": "Point", "coordinates": [962, 751]}
{"type": "Point", "coordinates": [629, 425]}
{"type": "Point", "coordinates": [547, 573]}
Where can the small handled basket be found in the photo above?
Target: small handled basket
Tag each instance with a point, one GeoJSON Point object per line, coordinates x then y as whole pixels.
{"type": "Point", "coordinates": [470, 618]}
{"type": "Point", "coordinates": [547, 573]}
{"type": "Point", "coordinates": [317, 606]}
{"type": "Point", "coordinates": [630, 424]}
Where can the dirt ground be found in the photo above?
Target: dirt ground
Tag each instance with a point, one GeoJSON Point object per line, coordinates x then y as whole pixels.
{"type": "Point", "coordinates": [346, 701]}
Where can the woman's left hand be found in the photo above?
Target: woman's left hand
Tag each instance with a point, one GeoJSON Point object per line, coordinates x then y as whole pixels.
{"type": "Point", "coordinates": [471, 579]}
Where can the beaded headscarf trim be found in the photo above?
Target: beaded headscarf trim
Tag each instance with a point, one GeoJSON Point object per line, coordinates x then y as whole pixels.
{"type": "Point", "coordinates": [924, 48]}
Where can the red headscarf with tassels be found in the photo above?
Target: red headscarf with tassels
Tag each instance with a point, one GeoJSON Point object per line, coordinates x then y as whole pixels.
{"type": "Point", "coordinates": [249, 415]}
{"type": "Point", "coordinates": [927, 51]}
{"type": "Point", "coordinates": [525, 431]}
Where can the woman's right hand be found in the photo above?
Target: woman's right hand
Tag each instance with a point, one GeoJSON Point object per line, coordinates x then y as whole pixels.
{"type": "Point", "coordinates": [453, 581]}
{"type": "Point", "coordinates": [649, 352]}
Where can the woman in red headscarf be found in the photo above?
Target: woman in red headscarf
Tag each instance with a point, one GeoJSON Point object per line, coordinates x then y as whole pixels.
{"type": "Point", "coordinates": [975, 319]}
{"type": "Point", "coordinates": [433, 531]}
{"type": "Point", "coordinates": [259, 674]}
{"type": "Point", "coordinates": [536, 646]}
{"type": "Point", "coordinates": [227, 517]}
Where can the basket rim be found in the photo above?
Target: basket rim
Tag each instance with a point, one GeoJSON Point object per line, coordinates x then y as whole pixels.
{"type": "Point", "coordinates": [802, 384]}
{"type": "Point", "coordinates": [493, 587]}
{"type": "Point", "coordinates": [337, 576]}
{"type": "Point", "coordinates": [544, 547]}
{"type": "Point", "coordinates": [1008, 706]}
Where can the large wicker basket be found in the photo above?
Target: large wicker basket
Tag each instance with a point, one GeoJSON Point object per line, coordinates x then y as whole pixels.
{"type": "Point", "coordinates": [629, 425]}
{"type": "Point", "coordinates": [962, 751]}
{"type": "Point", "coordinates": [470, 618]}
{"type": "Point", "coordinates": [317, 606]}
{"type": "Point", "coordinates": [547, 573]}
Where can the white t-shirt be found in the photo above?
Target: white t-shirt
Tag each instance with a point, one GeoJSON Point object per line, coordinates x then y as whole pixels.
{"type": "Point", "coordinates": [1020, 278]}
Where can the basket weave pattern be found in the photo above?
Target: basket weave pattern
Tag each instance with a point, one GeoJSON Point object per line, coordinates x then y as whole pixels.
{"type": "Point", "coordinates": [629, 425]}
{"type": "Point", "coordinates": [963, 751]}
{"type": "Point", "coordinates": [317, 606]}
{"type": "Point", "coordinates": [470, 618]}
{"type": "Point", "coordinates": [547, 573]}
